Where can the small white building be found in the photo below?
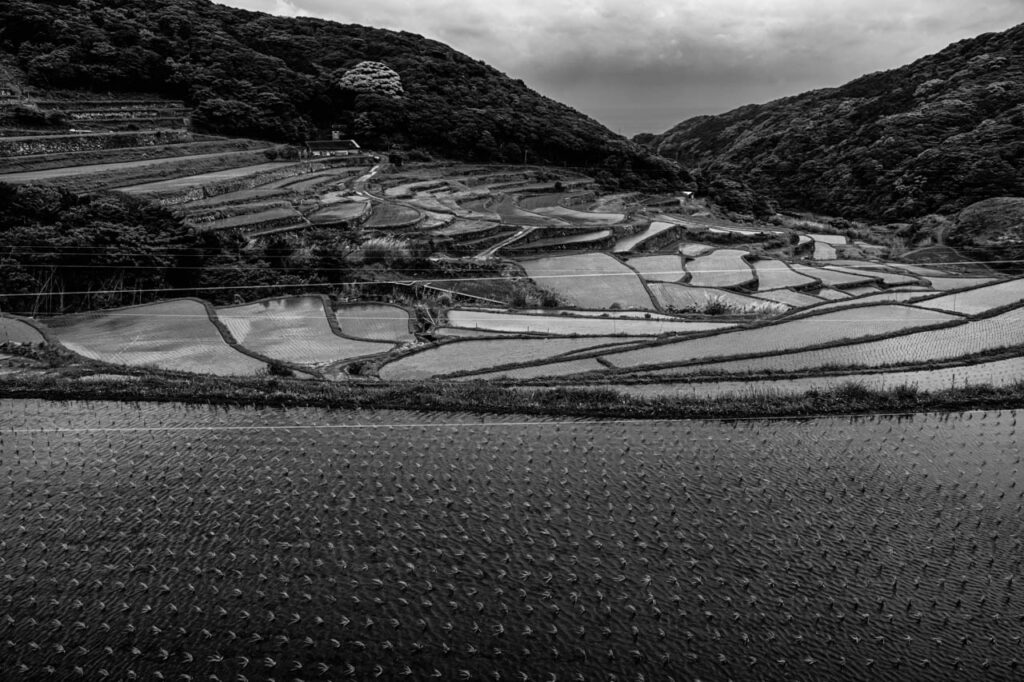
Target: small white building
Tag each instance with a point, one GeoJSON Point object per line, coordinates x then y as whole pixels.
{"type": "Point", "coordinates": [319, 148]}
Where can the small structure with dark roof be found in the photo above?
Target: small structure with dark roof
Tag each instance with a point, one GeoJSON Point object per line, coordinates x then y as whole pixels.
{"type": "Point", "coordinates": [319, 148]}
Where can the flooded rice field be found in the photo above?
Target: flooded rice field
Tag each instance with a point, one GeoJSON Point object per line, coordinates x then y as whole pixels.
{"type": "Point", "coordinates": [171, 542]}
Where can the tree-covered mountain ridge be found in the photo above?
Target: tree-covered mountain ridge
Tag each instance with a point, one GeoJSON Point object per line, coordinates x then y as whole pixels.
{"type": "Point", "coordinates": [257, 75]}
{"type": "Point", "coordinates": [930, 137]}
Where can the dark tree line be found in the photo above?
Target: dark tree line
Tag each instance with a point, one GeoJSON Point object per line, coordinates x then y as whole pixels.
{"type": "Point", "coordinates": [277, 78]}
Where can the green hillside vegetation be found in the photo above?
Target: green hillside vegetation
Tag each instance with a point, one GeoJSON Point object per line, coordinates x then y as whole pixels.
{"type": "Point", "coordinates": [931, 137]}
{"type": "Point", "coordinates": [256, 75]}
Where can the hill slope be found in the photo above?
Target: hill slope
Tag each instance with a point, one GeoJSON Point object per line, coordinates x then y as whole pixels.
{"type": "Point", "coordinates": [934, 136]}
{"type": "Point", "coordinates": [257, 75]}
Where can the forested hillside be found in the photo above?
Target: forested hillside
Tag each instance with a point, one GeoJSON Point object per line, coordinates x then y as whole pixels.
{"type": "Point", "coordinates": [283, 79]}
{"type": "Point", "coordinates": [934, 136]}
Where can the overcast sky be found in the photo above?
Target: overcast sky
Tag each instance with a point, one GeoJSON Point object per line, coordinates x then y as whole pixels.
{"type": "Point", "coordinates": [644, 65]}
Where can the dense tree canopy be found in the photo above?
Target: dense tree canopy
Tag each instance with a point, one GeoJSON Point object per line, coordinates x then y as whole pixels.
{"type": "Point", "coordinates": [931, 137]}
{"type": "Point", "coordinates": [278, 78]}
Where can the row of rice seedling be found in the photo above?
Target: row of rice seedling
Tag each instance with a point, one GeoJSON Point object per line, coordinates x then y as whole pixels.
{"type": "Point", "coordinates": [173, 542]}
{"type": "Point", "coordinates": [593, 280]}
{"type": "Point", "coordinates": [176, 335]}
{"type": "Point", "coordinates": [995, 373]}
{"type": "Point", "coordinates": [970, 338]}
{"type": "Point", "coordinates": [787, 335]}
{"type": "Point", "coordinates": [722, 268]}
{"type": "Point", "coordinates": [668, 268]}
{"type": "Point", "coordinates": [565, 325]}
{"type": "Point", "coordinates": [476, 355]}
{"type": "Point", "coordinates": [685, 298]}
{"type": "Point", "coordinates": [375, 322]}
{"type": "Point", "coordinates": [295, 330]}
{"type": "Point", "coordinates": [980, 300]}
{"type": "Point", "coordinates": [13, 330]}
{"type": "Point", "coordinates": [776, 274]}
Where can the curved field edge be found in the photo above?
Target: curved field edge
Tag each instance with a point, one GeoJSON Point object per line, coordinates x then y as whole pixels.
{"type": "Point", "coordinates": [488, 398]}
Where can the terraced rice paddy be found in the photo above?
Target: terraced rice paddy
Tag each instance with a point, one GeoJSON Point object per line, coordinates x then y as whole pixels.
{"type": "Point", "coordinates": [888, 277]}
{"type": "Point", "coordinates": [824, 251]}
{"type": "Point", "coordinates": [880, 297]}
{"type": "Point", "coordinates": [958, 283]}
{"type": "Point", "coordinates": [593, 280]}
{"type": "Point", "coordinates": [786, 336]}
{"type": "Point", "coordinates": [981, 300]}
{"type": "Point", "coordinates": [345, 212]}
{"type": "Point", "coordinates": [659, 268]}
{"type": "Point", "coordinates": [695, 250]}
{"type": "Point", "coordinates": [476, 355]}
{"type": "Point", "coordinates": [788, 297]}
{"type": "Point", "coordinates": [834, 278]}
{"type": "Point", "coordinates": [995, 373]}
{"type": "Point", "coordinates": [552, 369]}
{"type": "Point", "coordinates": [723, 268]}
{"type": "Point", "coordinates": [376, 322]}
{"type": "Point", "coordinates": [582, 239]}
{"type": "Point", "coordinates": [572, 215]}
{"type": "Point", "coordinates": [294, 330]}
{"type": "Point", "coordinates": [166, 542]}
{"type": "Point", "coordinates": [832, 294]}
{"type": "Point", "coordinates": [204, 178]}
{"type": "Point", "coordinates": [775, 274]}
{"type": "Point", "coordinates": [384, 216]}
{"type": "Point", "coordinates": [176, 335]}
{"type": "Point", "coordinates": [564, 325]}
{"type": "Point", "coordinates": [627, 244]}
{"type": "Point", "coordinates": [833, 239]}
{"type": "Point", "coordinates": [17, 331]}
{"type": "Point", "coordinates": [977, 336]}
{"type": "Point", "coordinates": [682, 297]}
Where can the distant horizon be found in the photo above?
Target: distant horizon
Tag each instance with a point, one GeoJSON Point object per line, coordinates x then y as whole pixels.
{"type": "Point", "coordinates": [646, 65]}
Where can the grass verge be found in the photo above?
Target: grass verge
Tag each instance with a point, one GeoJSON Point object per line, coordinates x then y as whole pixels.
{"type": "Point", "coordinates": [484, 397]}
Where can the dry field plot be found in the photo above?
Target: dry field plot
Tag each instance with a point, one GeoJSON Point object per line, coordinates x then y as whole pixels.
{"type": "Point", "coordinates": [723, 268]}
{"type": "Point", "coordinates": [593, 280]}
{"type": "Point", "coordinates": [977, 336]}
{"type": "Point", "coordinates": [776, 274]}
{"type": "Point", "coordinates": [18, 331]}
{"type": "Point", "coordinates": [659, 268]}
{"type": "Point", "coordinates": [476, 355]}
{"type": "Point", "coordinates": [786, 336]}
{"type": "Point", "coordinates": [978, 301]}
{"type": "Point", "coordinates": [564, 325]}
{"type": "Point", "coordinates": [684, 297]}
{"type": "Point", "coordinates": [375, 322]}
{"type": "Point", "coordinates": [627, 244]}
{"type": "Point", "coordinates": [176, 335]}
{"type": "Point", "coordinates": [293, 330]}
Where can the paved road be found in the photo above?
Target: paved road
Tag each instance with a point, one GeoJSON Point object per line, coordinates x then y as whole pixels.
{"type": "Point", "coordinates": [71, 171]}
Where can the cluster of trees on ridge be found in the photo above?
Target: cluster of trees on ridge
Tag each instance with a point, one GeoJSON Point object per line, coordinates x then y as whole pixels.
{"type": "Point", "coordinates": [268, 77]}
{"type": "Point", "coordinates": [931, 137]}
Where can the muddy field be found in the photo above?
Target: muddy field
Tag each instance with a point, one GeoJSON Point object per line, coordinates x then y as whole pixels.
{"type": "Point", "coordinates": [303, 544]}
